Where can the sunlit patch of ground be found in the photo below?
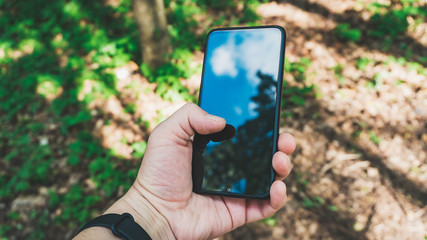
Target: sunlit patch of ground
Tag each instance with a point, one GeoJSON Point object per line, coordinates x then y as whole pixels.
{"type": "Point", "coordinates": [360, 168]}
{"type": "Point", "coordinates": [131, 115]}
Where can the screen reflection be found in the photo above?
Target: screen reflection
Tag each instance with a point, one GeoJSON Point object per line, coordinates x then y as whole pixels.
{"type": "Point", "coordinates": [239, 84]}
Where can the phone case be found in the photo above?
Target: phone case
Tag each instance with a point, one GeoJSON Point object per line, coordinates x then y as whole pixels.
{"type": "Point", "coordinates": [200, 141]}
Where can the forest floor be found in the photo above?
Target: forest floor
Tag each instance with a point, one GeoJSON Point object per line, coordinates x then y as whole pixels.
{"type": "Point", "coordinates": [360, 166]}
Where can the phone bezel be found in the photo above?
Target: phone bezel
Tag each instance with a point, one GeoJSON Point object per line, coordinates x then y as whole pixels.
{"type": "Point", "coordinates": [277, 107]}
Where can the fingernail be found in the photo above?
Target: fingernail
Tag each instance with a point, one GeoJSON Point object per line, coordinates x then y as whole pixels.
{"type": "Point", "coordinates": [215, 118]}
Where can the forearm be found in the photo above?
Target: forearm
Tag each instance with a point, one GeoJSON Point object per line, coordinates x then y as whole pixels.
{"type": "Point", "coordinates": [142, 211]}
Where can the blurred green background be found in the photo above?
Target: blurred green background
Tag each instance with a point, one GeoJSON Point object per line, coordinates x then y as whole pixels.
{"type": "Point", "coordinates": [77, 103]}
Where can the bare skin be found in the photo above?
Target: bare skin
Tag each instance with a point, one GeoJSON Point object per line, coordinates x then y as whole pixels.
{"type": "Point", "coordinates": [161, 199]}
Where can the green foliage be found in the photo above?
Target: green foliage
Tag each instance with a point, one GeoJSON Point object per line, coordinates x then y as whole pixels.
{"type": "Point", "coordinates": [181, 16]}
{"type": "Point", "coordinates": [398, 82]}
{"type": "Point", "coordinates": [23, 171]}
{"type": "Point", "coordinates": [296, 95]}
{"type": "Point", "coordinates": [41, 220]}
{"type": "Point", "coordinates": [130, 108]}
{"type": "Point", "coordinates": [183, 24]}
{"type": "Point", "coordinates": [391, 21]}
{"type": "Point", "coordinates": [362, 63]}
{"type": "Point", "coordinates": [393, 24]}
{"type": "Point", "coordinates": [374, 138]}
{"type": "Point", "coordinates": [104, 168]}
{"type": "Point", "coordinates": [169, 75]}
{"type": "Point", "coordinates": [310, 201]}
{"type": "Point", "coordinates": [106, 173]}
{"type": "Point", "coordinates": [48, 54]}
{"type": "Point", "coordinates": [38, 71]}
{"type": "Point", "coordinates": [4, 230]}
{"type": "Point", "coordinates": [75, 205]}
{"type": "Point", "coordinates": [333, 208]}
{"type": "Point", "coordinates": [139, 149]}
{"type": "Point", "coordinates": [411, 66]}
{"type": "Point", "coordinates": [316, 201]}
{"type": "Point", "coordinates": [377, 82]}
{"type": "Point", "coordinates": [219, 4]}
{"type": "Point", "coordinates": [302, 181]}
{"type": "Point", "coordinates": [338, 71]}
{"type": "Point", "coordinates": [71, 120]}
{"type": "Point", "coordinates": [13, 215]}
{"type": "Point", "coordinates": [85, 146]}
{"type": "Point", "coordinates": [345, 32]}
{"type": "Point", "coordinates": [270, 221]}
{"type": "Point", "coordinates": [298, 69]}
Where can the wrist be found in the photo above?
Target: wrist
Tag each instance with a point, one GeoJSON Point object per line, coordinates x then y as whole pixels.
{"type": "Point", "coordinates": [144, 213]}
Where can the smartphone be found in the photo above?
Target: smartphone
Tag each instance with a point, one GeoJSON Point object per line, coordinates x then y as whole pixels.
{"type": "Point", "coordinates": [241, 82]}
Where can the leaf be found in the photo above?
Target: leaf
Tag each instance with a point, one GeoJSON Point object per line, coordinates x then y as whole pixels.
{"type": "Point", "coordinates": [308, 203]}
{"type": "Point", "coordinates": [22, 186]}
{"type": "Point", "coordinates": [374, 138]}
{"type": "Point", "coordinates": [139, 149]}
{"type": "Point", "coordinates": [297, 100]}
{"type": "Point", "coordinates": [362, 63]}
{"type": "Point", "coordinates": [319, 200]}
{"type": "Point", "coordinates": [344, 32]}
{"type": "Point", "coordinates": [333, 208]}
{"type": "Point", "coordinates": [73, 160]}
{"type": "Point", "coordinates": [270, 221]}
{"type": "Point", "coordinates": [287, 65]}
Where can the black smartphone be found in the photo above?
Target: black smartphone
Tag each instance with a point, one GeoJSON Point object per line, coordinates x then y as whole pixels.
{"type": "Point", "coordinates": [241, 82]}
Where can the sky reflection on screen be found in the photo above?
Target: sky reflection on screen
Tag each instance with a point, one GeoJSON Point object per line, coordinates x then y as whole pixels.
{"type": "Point", "coordinates": [239, 84]}
{"type": "Point", "coordinates": [233, 59]}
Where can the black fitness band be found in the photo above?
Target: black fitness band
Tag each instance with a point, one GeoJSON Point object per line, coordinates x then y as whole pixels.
{"type": "Point", "coordinates": [122, 226]}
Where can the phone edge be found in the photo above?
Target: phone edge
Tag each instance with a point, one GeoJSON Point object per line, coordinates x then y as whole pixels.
{"type": "Point", "coordinates": [277, 110]}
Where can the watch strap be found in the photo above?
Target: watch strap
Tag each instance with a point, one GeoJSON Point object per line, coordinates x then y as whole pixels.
{"type": "Point", "coordinates": [122, 226]}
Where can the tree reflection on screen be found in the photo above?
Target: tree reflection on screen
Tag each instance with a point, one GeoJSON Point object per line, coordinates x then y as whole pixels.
{"type": "Point", "coordinates": [242, 164]}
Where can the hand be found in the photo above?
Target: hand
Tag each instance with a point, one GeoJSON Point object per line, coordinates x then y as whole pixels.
{"type": "Point", "coordinates": [161, 199]}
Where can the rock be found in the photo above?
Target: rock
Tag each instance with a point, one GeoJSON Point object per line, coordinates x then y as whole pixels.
{"type": "Point", "coordinates": [421, 111]}
{"type": "Point", "coordinates": [28, 202]}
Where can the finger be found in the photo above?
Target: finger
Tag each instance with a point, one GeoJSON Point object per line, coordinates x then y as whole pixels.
{"type": "Point", "coordinates": [187, 120]}
{"type": "Point", "coordinates": [281, 165]}
{"type": "Point", "coordinates": [260, 209]}
{"type": "Point", "coordinates": [277, 196]}
{"type": "Point", "coordinates": [286, 143]}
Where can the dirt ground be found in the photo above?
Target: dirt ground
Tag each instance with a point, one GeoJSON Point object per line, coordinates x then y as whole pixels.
{"type": "Point", "coordinates": [361, 189]}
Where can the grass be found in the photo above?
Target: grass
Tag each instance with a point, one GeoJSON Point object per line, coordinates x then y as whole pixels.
{"type": "Point", "coordinates": [390, 21]}
{"type": "Point", "coordinates": [338, 71]}
{"type": "Point", "coordinates": [345, 32]}
{"type": "Point", "coordinates": [296, 94]}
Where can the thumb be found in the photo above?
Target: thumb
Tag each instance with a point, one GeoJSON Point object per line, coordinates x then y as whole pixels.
{"type": "Point", "coordinates": [187, 120]}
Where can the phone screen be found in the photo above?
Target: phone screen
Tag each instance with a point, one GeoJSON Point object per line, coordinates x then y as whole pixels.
{"type": "Point", "coordinates": [241, 82]}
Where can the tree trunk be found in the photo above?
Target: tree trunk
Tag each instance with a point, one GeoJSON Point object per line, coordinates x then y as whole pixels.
{"type": "Point", "coordinates": [153, 34]}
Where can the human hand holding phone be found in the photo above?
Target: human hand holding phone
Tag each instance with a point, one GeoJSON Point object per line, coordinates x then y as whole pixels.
{"type": "Point", "coordinates": [161, 199]}
{"type": "Point", "coordinates": [165, 180]}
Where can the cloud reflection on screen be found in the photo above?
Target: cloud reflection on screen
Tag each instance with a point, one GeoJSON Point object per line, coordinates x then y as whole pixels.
{"type": "Point", "coordinates": [233, 60]}
{"type": "Point", "coordinates": [239, 84]}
